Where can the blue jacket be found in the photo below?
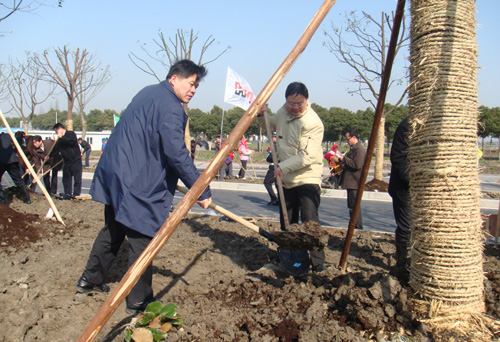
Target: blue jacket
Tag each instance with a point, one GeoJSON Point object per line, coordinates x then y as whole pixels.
{"type": "Point", "coordinates": [143, 160]}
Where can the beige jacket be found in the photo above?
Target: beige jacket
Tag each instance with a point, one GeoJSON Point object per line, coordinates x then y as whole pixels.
{"type": "Point", "coordinates": [298, 141]}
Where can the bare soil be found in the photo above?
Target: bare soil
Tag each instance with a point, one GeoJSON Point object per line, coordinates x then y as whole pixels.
{"type": "Point", "coordinates": [226, 280]}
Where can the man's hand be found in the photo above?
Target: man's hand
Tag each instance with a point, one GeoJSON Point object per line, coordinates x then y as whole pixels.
{"type": "Point", "coordinates": [205, 204]}
{"type": "Point", "coordinates": [278, 173]}
{"type": "Point", "coordinates": [263, 110]}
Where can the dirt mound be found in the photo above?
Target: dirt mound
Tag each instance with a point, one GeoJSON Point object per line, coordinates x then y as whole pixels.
{"type": "Point", "coordinates": [377, 186]}
{"type": "Point", "coordinates": [226, 281]}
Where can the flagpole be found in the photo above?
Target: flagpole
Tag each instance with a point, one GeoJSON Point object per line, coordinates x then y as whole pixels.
{"type": "Point", "coordinates": [222, 120]}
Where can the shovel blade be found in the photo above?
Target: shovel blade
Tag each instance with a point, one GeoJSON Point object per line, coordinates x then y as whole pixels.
{"type": "Point", "coordinates": [295, 262]}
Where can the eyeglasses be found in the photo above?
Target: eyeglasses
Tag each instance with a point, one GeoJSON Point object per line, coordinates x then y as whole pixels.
{"type": "Point", "coordinates": [348, 138]}
{"type": "Point", "coordinates": [297, 105]}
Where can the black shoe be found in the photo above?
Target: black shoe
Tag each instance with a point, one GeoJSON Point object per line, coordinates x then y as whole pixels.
{"type": "Point", "coordinates": [319, 269]}
{"type": "Point", "coordinates": [83, 286]}
{"type": "Point", "coordinates": [272, 202]}
{"type": "Point", "coordinates": [276, 202]}
{"type": "Point", "coordinates": [137, 308]}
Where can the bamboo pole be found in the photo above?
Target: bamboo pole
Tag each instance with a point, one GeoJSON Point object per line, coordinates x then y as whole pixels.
{"type": "Point", "coordinates": [43, 174]}
{"type": "Point", "coordinates": [373, 136]}
{"type": "Point", "coordinates": [246, 171]}
{"type": "Point", "coordinates": [253, 169]}
{"type": "Point", "coordinates": [33, 173]}
{"type": "Point", "coordinates": [167, 229]}
{"type": "Point", "coordinates": [279, 182]}
{"type": "Point", "coordinates": [227, 213]}
{"type": "Point", "coordinates": [497, 226]}
{"type": "Point", "coordinates": [48, 154]}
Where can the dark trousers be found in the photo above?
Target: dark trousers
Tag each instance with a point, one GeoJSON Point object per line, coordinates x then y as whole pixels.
{"type": "Point", "coordinates": [351, 198]}
{"type": "Point", "coordinates": [226, 170]}
{"type": "Point", "coordinates": [269, 180]}
{"type": "Point", "coordinates": [50, 181]}
{"type": "Point", "coordinates": [402, 217]}
{"type": "Point", "coordinates": [105, 249]}
{"type": "Point", "coordinates": [304, 200]}
{"type": "Point", "coordinates": [14, 170]}
{"type": "Point", "coordinates": [87, 155]}
{"type": "Point", "coordinates": [72, 171]}
{"type": "Point", "coordinates": [241, 174]}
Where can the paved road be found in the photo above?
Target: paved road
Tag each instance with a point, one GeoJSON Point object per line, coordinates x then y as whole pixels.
{"type": "Point", "coordinates": [251, 200]}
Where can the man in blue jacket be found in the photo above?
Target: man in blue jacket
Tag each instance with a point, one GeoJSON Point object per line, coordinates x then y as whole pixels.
{"type": "Point", "coordinates": [137, 175]}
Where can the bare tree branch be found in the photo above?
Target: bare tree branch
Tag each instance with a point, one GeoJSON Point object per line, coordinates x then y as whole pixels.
{"type": "Point", "coordinates": [167, 51]}
{"type": "Point", "coordinates": [22, 86]}
{"type": "Point", "coordinates": [68, 69]}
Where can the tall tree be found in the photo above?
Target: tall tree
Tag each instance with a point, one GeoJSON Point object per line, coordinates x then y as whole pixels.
{"type": "Point", "coordinates": [446, 258]}
{"type": "Point", "coordinates": [65, 69]}
{"type": "Point", "coordinates": [93, 78]}
{"type": "Point", "coordinates": [363, 45]}
{"type": "Point", "coordinates": [22, 88]}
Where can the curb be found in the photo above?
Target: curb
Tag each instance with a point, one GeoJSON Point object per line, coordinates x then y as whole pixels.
{"type": "Point", "coordinates": [330, 193]}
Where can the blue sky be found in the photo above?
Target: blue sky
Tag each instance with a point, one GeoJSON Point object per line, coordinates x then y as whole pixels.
{"type": "Point", "coordinates": [261, 34]}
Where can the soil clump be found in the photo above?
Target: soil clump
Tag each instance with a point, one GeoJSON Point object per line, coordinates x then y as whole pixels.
{"type": "Point", "coordinates": [227, 282]}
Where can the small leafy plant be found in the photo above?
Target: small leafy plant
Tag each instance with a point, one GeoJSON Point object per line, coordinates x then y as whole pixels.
{"type": "Point", "coordinates": [153, 324]}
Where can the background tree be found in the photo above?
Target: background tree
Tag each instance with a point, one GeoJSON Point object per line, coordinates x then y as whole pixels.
{"type": "Point", "coordinates": [93, 78]}
{"type": "Point", "coordinates": [15, 6]}
{"type": "Point", "coordinates": [22, 88]}
{"type": "Point", "coordinates": [65, 69]}
{"type": "Point", "coordinates": [167, 50]}
{"type": "Point", "coordinates": [489, 122]}
{"type": "Point", "coordinates": [98, 120]}
{"type": "Point", "coordinates": [363, 46]}
{"type": "Point", "coordinates": [446, 273]}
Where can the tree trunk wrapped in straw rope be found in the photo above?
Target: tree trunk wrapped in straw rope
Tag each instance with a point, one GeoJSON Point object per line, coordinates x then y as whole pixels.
{"type": "Point", "coordinates": [446, 257]}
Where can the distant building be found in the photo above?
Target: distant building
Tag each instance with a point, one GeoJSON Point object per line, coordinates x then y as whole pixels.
{"type": "Point", "coordinates": [93, 138]}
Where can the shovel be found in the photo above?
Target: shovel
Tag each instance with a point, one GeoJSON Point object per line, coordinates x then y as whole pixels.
{"type": "Point", "coordinates": [292, 246]}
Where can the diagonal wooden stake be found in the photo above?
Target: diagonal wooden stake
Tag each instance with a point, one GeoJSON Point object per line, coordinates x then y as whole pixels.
{"type": "Point", "coordinates": [135, 271]}
{"type": "Point", "coordinates": [386, 76]}
{"type": "Point", "coordinates": [32, 171]}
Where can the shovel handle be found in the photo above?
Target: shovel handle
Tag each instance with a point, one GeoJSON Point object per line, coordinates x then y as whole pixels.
{"type": "Point", "coordinates": [229, 214]}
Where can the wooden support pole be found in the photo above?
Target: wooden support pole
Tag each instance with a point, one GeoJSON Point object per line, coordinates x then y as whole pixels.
{"type": "Point", "coordinates": [246, 172]}
{"type": "Point", "coordinates": [497, 226]}
{"type": "Point", "coordinates": [175, 218]}
{"type": "Point", "coordinates": [43, 174]}
{"type": "Point", "coordinates": [386, 76]}
{"type": "Point", "coordinates": [33, 173]}
{"type": "Point", "coordinates": [279, 183]}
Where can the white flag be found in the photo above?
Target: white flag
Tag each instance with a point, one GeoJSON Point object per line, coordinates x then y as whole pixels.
{"type": "Point", "coordinates": [238, 91]}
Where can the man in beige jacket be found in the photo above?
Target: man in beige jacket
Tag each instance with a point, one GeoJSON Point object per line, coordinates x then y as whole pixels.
{"type": "Point", "coordinates": [299, 133]}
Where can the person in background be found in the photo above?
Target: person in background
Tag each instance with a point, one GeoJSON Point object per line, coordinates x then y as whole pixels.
{"type": "Point", "coordinates": [137, 175]}
{"type": "Point", "coordinates": [53, 163]}
{"type": "Point", "coordinates": [36, 155]}
{"type": "Point", "coordinates": [335, 167]}
{"type": "Point", "coordinates": [10, 162]}
{"type": "Point", "coordinates": [245, 153]}
{"type": "Point", "coordinates": [352, 162]}
{"type": "Point", "coordinates": [269, 179]}
{"type": "Point", "coordinates": [399, 189]}
{"type": "Point", "coordinates": [103, 146]}
{"type": "Point", "coordinates": [87, 149]}
{"type": "Point", "coordinates": [69, 149]}
{"type": "Point", "coordinates": [299, 133]}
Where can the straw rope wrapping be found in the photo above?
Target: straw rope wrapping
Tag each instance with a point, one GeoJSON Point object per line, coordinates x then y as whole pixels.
{"type": "Point", "coordinates": [446, 257]}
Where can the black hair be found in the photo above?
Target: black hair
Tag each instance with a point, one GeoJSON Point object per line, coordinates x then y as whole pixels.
{"type": "Point", "coordinates": [187, 68]}
{"type": "Point", "coordinates": [58, 125]}
{"type": "Point", "coordinates": [353, 132]}
{"type": "Point", "coordinates": [37, 138]}
{"type": "Point", "coordinates": [297, 88]}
